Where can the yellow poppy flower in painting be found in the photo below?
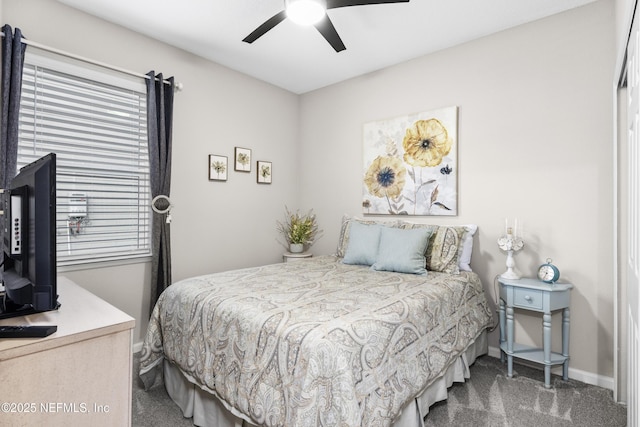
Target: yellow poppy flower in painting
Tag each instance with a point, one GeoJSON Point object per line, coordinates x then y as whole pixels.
{"type": "Point", "coordinates": [426, 143]}
{"type": "Point", "coordinates": [385, 177]}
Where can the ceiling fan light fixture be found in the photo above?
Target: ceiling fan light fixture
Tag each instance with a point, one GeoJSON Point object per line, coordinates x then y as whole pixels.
{"type": "Point", "coordinates": [305, 12]}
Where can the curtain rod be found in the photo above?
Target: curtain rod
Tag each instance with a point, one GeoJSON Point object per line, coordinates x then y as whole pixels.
{"type": "Point", "coordinates": [177, 87]}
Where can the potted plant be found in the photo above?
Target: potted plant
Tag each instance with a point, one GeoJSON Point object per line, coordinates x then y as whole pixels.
{"type": "Point", "coordinates": [298, 230]}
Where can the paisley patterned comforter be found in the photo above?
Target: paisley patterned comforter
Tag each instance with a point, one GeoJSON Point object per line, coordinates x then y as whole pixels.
{"type": "Point", "coordinates": [315, 342]}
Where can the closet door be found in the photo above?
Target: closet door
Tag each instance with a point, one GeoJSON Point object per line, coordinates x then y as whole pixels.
{"type": "Point", "coordinates": [633, 257]}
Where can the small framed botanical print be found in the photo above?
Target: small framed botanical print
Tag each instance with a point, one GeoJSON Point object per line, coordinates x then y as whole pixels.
{"type": "Point", "coordinates": [264, 171]}
{"type": "Point", "coordinates": [242, 162]}
{"type": "Point", "coordinates": [218, 167]}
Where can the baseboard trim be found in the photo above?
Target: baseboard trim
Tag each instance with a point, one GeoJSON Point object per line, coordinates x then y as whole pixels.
{"type": "Point", "coordinates": [574, 374]}
{"type": "Point", "coordinates": [138, 346]}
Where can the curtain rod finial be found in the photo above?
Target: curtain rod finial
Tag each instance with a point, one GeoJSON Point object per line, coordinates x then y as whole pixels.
{"type": "Point", "coordinates": [178, 87]}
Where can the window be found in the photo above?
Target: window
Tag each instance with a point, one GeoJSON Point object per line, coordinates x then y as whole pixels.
{"type": "Point", "coordinates": [96, 123]}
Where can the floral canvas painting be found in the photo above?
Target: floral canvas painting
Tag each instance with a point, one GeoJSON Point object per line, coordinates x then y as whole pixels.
{"type": "Point", "coordinates": [264, 172]}
{"type": "Point", "coordinates": [242, 159]}
{"type": "Point", "coordinates": [217, 168]}
{"type": "Point", "coordinates": [410, 164]}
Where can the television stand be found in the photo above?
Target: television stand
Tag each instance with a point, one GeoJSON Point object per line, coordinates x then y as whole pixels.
{"type": "Point", "coordinates": [15, 310]}
{"type": "Point", "coordinates": [79, 375]}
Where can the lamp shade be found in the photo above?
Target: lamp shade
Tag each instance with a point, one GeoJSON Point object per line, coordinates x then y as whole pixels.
{"type": "Point", "coordinates": [305, 12]}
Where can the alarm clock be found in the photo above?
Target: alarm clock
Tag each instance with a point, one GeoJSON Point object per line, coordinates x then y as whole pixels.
{"type": "Point", "coordinates": [548, 272]}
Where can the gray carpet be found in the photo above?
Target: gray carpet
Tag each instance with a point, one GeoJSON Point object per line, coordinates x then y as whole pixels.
{"type": "Point", "coordinates": [489, 398]}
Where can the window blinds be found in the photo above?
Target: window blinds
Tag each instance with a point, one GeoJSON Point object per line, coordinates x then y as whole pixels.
{"type": "Point", "coordinates": [99, 134]}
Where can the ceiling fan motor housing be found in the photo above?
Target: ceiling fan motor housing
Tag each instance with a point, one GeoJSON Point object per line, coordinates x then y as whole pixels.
{"type": "Point", "coordinates": [305, 12]}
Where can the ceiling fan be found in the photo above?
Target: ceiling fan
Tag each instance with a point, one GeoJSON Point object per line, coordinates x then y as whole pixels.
{"type": "Point", "coordinates": [321, 21]}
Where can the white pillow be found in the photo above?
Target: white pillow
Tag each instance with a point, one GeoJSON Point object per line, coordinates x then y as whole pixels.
{"type": "Point", "coordinates": [464, 260]}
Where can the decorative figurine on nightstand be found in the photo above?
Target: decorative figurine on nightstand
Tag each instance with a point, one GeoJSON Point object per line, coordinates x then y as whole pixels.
{"type": "Point", "coordinates": [548, 272]}
{"type": "Point", "coordinates": [510, 243]}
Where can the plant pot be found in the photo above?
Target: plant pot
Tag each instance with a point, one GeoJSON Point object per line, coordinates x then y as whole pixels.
{"type": "Point", "coordinates": [296, 248]}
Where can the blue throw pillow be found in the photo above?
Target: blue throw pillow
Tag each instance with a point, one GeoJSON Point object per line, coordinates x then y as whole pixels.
{"type": "Point", "coordinates": [363, 244]}
{"type": "Point", "coordinates": [402, 250]}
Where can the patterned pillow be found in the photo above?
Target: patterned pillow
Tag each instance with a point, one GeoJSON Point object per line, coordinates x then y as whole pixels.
{"type": "Point", "coordinates": [445, 246]}
{"type": "Point", "coordinates": [343, 238]}
{"type": "Point", "coordinates": [413, 225]}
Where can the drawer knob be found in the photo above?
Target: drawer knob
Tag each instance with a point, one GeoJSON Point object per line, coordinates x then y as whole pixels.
{"type": "Point", "coordinates": [528, 298]}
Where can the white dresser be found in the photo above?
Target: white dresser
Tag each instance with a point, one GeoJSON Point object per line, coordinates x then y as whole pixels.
{"type": "Point", "coordinates": [80, 375]}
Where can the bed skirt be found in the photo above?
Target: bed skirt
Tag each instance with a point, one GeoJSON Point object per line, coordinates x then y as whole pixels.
{"type": "Point", "coordinates": [207, 410]}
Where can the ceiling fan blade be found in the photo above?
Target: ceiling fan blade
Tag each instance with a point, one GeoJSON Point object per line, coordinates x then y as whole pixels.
{"type": "Point", "coordinates": [328, 31]}
{"type": "Point", "coordinates": [266, 26]}
{"type": "Point", "coordinates": [333, 4]}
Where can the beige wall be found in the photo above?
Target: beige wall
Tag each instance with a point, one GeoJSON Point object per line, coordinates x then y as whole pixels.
{"type": "Point", "coordinates": [216, 226]}
{"type": "Point", "coordinates": [535, 142]}
{"type": "Point", "coordinates": [535, 113]}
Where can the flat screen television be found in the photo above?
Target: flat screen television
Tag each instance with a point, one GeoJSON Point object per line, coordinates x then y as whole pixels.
{"type": "Point", "coordinates": [29, 269]}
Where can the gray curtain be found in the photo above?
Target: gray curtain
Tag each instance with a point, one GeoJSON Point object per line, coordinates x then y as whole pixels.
{"type": "Point", "coordinates": [159, 124]}
{"type": "Point", "coordinates": [12, 63]}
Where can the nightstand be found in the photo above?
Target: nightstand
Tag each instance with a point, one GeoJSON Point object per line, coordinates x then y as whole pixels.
{"type": "Point", "coordinates": [534, 295]}
{"type": "Point", "coordinates": [290, 256]}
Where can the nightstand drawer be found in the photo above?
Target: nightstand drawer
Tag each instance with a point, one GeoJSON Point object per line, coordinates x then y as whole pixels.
{"type": "Point", "coordinates": [527, 298]}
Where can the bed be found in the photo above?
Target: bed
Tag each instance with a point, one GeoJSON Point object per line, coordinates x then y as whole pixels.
{"type": "Point", "coordinates": [339, 340]}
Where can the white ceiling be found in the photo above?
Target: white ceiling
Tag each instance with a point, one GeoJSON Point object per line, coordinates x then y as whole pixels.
{"type": "Point", "coordinates": [298, 58]}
